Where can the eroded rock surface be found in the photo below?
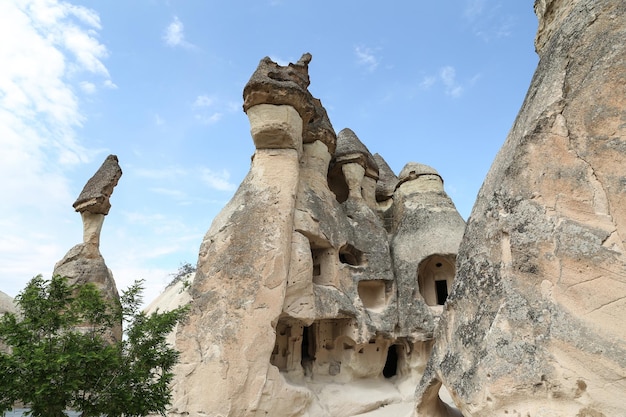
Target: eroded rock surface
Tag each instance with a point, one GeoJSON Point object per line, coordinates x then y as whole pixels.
{"type": "Point", "coordinates": [295, 298]}
{"type": "Point", "coordinates": [534, 323]}
{"type": "Point", "coordinates": [84, 263]}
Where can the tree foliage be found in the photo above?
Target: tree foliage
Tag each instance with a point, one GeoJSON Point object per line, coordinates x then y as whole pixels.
{"type": "Point", "coordinates": [61, 354]}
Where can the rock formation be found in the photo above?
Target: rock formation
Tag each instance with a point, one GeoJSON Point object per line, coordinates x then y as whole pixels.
{"type": "Point", "coordinates": [84, 263]}
{"type": "Point", "coordinates": [534, 323]}
{"type": "Point", "coordinates": [296, 296]}
{"type": "Point", "coordinates": [7, 305]}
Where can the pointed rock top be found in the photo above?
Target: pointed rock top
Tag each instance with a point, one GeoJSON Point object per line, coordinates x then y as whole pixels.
{"type": "Point", "coordinates": [95, 195]}
{"type": "Point", "coordinates": [351, 149]}
{"type": "Point", "coordinates": [387, 179]}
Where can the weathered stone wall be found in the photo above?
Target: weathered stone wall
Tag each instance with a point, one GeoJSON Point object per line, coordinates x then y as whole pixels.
{"type": "Point", "coordinates": [534, 323]}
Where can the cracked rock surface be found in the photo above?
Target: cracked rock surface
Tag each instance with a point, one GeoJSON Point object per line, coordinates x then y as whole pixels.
{"type": "Point", "coordinates": [534, 323]}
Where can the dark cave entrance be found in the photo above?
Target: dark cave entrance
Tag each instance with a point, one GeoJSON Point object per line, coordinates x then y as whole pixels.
{"type": "Point", "coordinates": [308, 345]}
{"type": "Point", "coordinates": [391, 365]}
{"type": "Point", "coordinates": [441, 287]}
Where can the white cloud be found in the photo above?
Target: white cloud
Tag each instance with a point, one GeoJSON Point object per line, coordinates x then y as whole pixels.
{"type": "Point", "coordinates": [448, 77]}
{"type": "Point", "coordinates": [40, 113]}
{"type": "Point", "coordinates": [487, 21]}
{"type": "Point", "coordinates": [203, 101]}
{"type": "Point", "coordinates": [209, 119]}
{"type": "Point", "coordinates": [474, 9]}
{"type": "Point", "coordinates": [217, 180]}
{"type": "Point", "coordinates": [110, 84]}
{"type": "Point", "coordinates": [176, 194]}
{"type": "Point", "coordinates": [87, 87]}
{"type": "Point", "coordinates": [210, 109]}
{"type": "Point", "coordinates": [161, 173]}
{"type": "Point", "coordinates": [427, 82]}
{"type": "Point", "coordinates": [365, 57]}
{"type": "Point", "coordinates": [158, 120]}
{"type": "Point", "coordinates": [174, 34]}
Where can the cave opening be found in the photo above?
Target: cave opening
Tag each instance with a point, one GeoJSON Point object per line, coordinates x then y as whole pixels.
{"type": "Point", "coordinates": [308, 346]}
{"type": "Point", "coordinates": [441, 287]}
{"type": "Point", "coordinates": [391, 364]}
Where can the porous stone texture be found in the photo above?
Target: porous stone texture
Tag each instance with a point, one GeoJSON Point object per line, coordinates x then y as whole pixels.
{"type": "Point", "coordinates": [534, 323]}
{"type": "Point", "coordinates": [84, 263]}
{"type": "Point", "coordinates": [426, 232]}
{"type": "Point", "coordinates": [295, 303]}
{"type": "Point", "coordinates": [95, 195]}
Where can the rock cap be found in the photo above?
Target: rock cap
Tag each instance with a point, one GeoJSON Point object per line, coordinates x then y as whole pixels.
{"type": "Point", "coordinates": [272, 83]}
{"type": "Point", "coordinates": [95, 195]}
{"type": "Point", "coordinates": [350, 149]}
{"type": "Point", "coordinates": [413, 170]}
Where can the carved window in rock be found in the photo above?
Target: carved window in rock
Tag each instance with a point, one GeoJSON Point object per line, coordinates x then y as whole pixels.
{"type": "Point", "coordinates": [287, 354]}
{"type": "Point", "coordinates": [323, 265]}
{"type": "Point", "coordinates": [319, 347]}
{"type": "Point", "coordinates": [337, 183]}
{"type": "Point", "coordinates": [350, 255]}
{"type": "Point", "coordinates": [434, 278]}
{"type": "Point", "coordinates": [375, 294]}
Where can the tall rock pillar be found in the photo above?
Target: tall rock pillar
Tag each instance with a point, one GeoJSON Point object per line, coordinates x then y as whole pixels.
{"type": "Point", "coordinates": [534, 325]}
{"type": "Point", "coordinates": [84, 262]}
{"type": "Point", "coordinates": [239, 289]}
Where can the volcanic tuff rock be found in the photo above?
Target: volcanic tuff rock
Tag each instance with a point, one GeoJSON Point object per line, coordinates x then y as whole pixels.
{"type": "Point", "coordinates": [534, 324]}
{"type": "Point", "coordinates": [84, 263]}
{"type": "Point", "coordinates": [6, 306]}
{"type": "Point", "coordinates": [295, 297]}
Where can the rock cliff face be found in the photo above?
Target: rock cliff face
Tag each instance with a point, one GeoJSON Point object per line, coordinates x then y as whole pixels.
{"type": "Point", "coordinates": [84, 263]}
{"type": "Point", "coordinates": [534, 322]}
{"type": "Point", "coordinates": [299, 294]}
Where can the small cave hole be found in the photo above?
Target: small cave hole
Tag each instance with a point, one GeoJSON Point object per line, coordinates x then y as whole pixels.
{"type": "Point", "coordinates": [350, 255]}
{"type": "Point", "coordinates": [391, 364]}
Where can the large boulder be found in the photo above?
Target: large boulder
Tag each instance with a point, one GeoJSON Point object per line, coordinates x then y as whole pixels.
{"type": "Point", "coordinates": [534, 323]}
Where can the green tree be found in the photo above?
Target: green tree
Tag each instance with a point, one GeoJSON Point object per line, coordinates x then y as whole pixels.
{"type": "Point", "coordinates": [62, 356]}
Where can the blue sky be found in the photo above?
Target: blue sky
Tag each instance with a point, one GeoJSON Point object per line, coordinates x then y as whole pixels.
{"type": "Point", "coordinates": [159, 83]}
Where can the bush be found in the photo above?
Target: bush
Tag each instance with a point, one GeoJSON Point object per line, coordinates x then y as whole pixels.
{"type": "Point", "coordinates": [62, 355]}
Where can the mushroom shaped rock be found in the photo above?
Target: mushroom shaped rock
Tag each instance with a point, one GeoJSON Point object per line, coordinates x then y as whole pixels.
{"type": "Point", "coordinates": [426, 233]}
{"type": "Point", "coordinates": [353, 172]}
{"type": "Point", "coordinates": [84, 263]}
